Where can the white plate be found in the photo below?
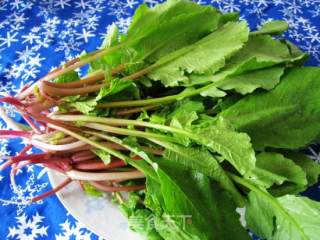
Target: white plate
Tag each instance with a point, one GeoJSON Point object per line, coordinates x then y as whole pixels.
{"type": "Point", "coordinates": [99, 215]}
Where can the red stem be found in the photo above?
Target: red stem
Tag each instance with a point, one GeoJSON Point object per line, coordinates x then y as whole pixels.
{"type": "Point", "coordinates": [6, 165]}
{"type": "Point", "coordinates": [107, 188]}
{"type": "Point", "coordinates": [38, 107]}
{"type": "Point", "coordinates": [13, 101]}
{"type": "Point", "coordinates": [53, 191]}
{"type": "Point", "coordinates": [25, 149]}
{"type": "Point", "coordinates": [31, 157]}
{"type": "Point", "coordinates": [82, 156]}
{"type": "Point", "coordinates": [90, 165]}
{"type": "Point", "coordinates": [10, 162]}
{"type": "Point", "coordinates": [77, 84]}
{"type": "Point", "coordinates": [31, 124]}
{"type": "Point", "coordinates": [44, 94]}
{"type": "Point", "coordinates": [54, 91]}
{"type": "Point", "coordinates": [14, 134]}
{"type": "Point", "coordinates": [25, 87]}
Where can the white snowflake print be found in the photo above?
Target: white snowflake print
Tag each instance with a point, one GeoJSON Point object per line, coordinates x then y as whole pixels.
{"type": "Point", "coordinates": [23, 193]}
{"type": "Point", "coordinates": [314, 155]}
{"type": "Point", "coordinates": [9, 39]}
{"type": "Point", "coordinates": [28, 228]}
{"type": "Point", "coordinates": [73, 231]}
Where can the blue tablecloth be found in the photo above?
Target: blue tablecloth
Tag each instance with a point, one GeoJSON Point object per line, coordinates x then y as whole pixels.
{"type": "Point", "coordinates": [37, 35]}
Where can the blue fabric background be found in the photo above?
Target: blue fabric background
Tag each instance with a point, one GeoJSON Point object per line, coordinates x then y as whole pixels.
{"type": "Point", "coordinates": [37, 35]}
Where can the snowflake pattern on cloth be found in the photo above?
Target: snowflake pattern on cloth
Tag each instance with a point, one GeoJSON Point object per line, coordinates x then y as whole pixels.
{"type": "Point", "coordinates": [28, 229]}
{"type": "Point", "coordinates": [38, 35]}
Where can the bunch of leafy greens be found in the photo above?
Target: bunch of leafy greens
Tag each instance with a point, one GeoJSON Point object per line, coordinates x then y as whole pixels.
{"type": "Point", "coordinates": [230, 108]}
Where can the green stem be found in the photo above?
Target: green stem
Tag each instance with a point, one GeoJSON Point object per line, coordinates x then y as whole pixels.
{"type": "Point", "coordinates": [123, 112]}
{"type": "Point", "coordinates": [85, 60]}
{"type": "Point", "coordinates": [269, 198]}
{"type": "Point", "coordinates": [117, 141]}
{"type": "Point", "coordinates": [98, 145]}
{"type": "Point", "coordinates": [128, 132]}
{"type": "Point", "coordinates": [161, 100]}
{"type": "Point", "coordinates": [119, 122]}
{"type": "Point", "coordinates": [139, 152]}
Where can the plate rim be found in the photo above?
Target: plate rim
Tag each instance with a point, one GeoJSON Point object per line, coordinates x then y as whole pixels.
{"type": "Point", "coordinates": [51, 174]}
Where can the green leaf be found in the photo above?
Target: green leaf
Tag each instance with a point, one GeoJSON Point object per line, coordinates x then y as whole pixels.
{"type": "Point", "coordinates": [111, 37]}
{"type": "Point", "coordinates": [85, 106]}
{"type": "Point", "coordinates": [103, 155]}
{"type": "Point", "coordinates": [155, 200]}
{"type": "Point", "coordinates": [233, 146]}
{"type": "Point", "coordinates": [274, 168]}
{"type": "Point", "coordinates": [169, 227]}
{"type": "Point", "coordinates": [67, 77]}
{"type": "Point", "coordinates": [310, 167]}
{"type": "Point", "coordinates": [91, 190]}
{"type": "Point", "coordinates": [183, 119]}
{"type": "Point", "coordinates": [259, 52]}
{"type": "Point", "coordinates": [199, 159]}
{"type": "Point", "coordinates": [205, 203]}
{"type": "Point", "coordinates": [185, 105]}
{"type": "Point", "coordinates": [274, 27]}
{"type": "Point", "coordinates": [155, 32]}
{"type": "Point", "coordinates": [248, 82]}
{"type": "Point", "coordinates": [127, 93]}
{"type": "Point", "coordinates": [286, 117]}
{"type": "Point", "coordinates": [211, 53]}
{"type": "Point", "coordinates": [285, 218]}
{"type": "Point", "coordinates": [128, 206]}
{"type": "Point", "coordinates": [142, 221]}
{"type": "Point", "coordinates": [213, 92]}
{"type": "Point", "coordinates": [184, 113]}
{"type": "Point", "coordinates": [115, 86]}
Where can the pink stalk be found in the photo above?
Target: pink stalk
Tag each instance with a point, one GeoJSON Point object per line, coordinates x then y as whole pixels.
{"type": "Point", "coordinates": [71, 65]}
{"type": "Point", "coordinates": [25, 87]}
{"type": "Point", "coordinates": [53, 191]}
{"type": "Point", "coordinates": [62, 147]}
{"type": "Point", "coordinates": [44, 94]}
{"type": "Point", "coordinates": [109, 176]}
{"type": "Point", "coordinates": [107, 188]}
{"type": "Point", "coordinates": [124, 112]}
{"type": "Point", "coordinates": [38, 107]}
{"type": "Point", "coordinates": [10, 161]}
{"type": "Point", "coordinates": [31, 157]}
{"type": "Point", "coordinates": [5, 165]}
{"type": "Point", "coordinates": [95, 77]}
{"type": "Point", "coordinates": [53, 91]}
{"type": "Point", "coordinates": [89, 165]}
{"type": "Point", "coordinates": [31, 124]}
{"type": "Point", "coordinates": [83, 153]}
{"type": "Point", "coordinates": [83, 156]}
{"type": "Point", "coordinates": [25, 149]}
{"type": "Point", "coordinates": [13, 101]}
{"type": "Point", "coordinates": [61, 164]}
{"type": "Point", "coordinates": [14, 134]}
